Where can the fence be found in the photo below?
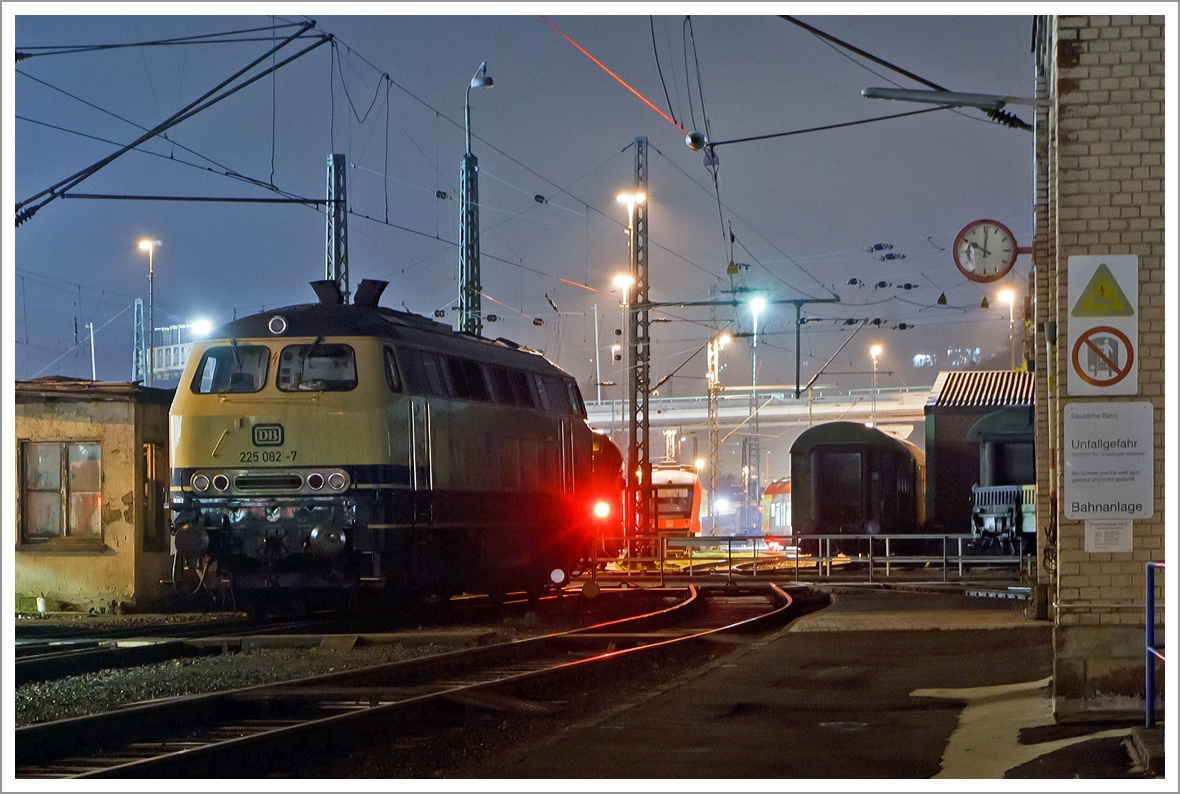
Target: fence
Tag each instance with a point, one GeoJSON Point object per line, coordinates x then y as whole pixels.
{"type": "Point", "coordinates": [868, 556]}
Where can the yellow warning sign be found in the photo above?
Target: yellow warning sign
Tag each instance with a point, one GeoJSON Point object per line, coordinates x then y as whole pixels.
{"type": "Point", "coordinates": [1103, 297]}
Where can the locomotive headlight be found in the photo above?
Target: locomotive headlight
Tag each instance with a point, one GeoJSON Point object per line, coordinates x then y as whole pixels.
{"type": "Point", "coordinates": [336, 481]}
{"type": "Point", "coordinates": [200, 483]}
{"type": "Point", "coordinates": [601, 509]}
{"type": "Point", "coordinates": [315, 481]}
{"type": "Point", "coordinates": [221, 482]}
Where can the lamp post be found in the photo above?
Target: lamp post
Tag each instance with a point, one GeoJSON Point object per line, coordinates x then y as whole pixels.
{"type": "Point", "coordinates": [150, 247]}
{"type": "Point", "coordinates": [754, 455]}
{"type": "Point", "coordinates": [1009, 297]}
{"type": "Point", "coordinates": [875, 352]}
{"type": "Point", "coordinates": [470, 310]}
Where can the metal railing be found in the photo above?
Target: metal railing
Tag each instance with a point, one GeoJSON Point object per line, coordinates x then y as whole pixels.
{"type": "Point", "coordinates": [1153, 652]}
{"type": "Point", "coordinates": [856, 556]}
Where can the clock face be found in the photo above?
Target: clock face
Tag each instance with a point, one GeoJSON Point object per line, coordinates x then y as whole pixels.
{"type": "Point", "coordinates": [985, 250]}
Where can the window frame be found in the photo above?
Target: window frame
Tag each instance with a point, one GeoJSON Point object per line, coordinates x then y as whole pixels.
{"type": "Point", "coordinates": [308, 347]}
{"type": "Point", "coordinates": [196, 386]}
{"type": "Point", "coordinates": [62, 541]}
{"type": "Point", "coordinates": [393, 378]}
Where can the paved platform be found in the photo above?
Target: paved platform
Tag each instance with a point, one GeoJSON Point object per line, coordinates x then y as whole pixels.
{"type": "Point", "coordinates": [882, 684]}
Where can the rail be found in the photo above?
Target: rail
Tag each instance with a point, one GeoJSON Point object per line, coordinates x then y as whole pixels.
{"type": "Point", "coordinates": [851, 555]}
{"type": "Point", "coordinates": [1152, 651]}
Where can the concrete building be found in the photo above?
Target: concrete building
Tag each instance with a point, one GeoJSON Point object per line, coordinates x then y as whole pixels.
{"type": "Point", "coordinates": [92, 474]}
{"type": "Point", "coordinates": [1100, 363]}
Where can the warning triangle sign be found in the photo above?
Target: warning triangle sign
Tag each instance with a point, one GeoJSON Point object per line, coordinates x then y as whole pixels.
{"type": "Point", "coordinates": [1103, 297]}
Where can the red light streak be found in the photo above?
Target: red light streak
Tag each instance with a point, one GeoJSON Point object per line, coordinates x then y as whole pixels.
{"type": "Point", "coordinates": [612, 74]}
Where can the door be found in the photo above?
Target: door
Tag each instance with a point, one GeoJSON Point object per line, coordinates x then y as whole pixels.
{"type": "Point", "coordinates": [421, 470]}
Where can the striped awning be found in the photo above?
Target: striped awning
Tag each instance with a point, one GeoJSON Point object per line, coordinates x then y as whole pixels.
{"type": "Point", "coordinates": [982, 389]}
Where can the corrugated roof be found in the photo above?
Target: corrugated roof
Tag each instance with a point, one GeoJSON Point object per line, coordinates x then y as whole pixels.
{"type": "Point", "coordinates": [56, 387]}
{"type": "Point", "coordinates": [982, 389]}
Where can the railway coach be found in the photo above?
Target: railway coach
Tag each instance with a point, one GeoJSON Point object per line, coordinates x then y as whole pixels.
{"type": "Point", "coordinates": [849, 479]}
{"type": "Point", "coordinates": [327, 448]}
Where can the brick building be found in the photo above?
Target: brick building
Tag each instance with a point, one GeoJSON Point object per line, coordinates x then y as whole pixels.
{"type": "Point", "coordinates": [1099, 195]}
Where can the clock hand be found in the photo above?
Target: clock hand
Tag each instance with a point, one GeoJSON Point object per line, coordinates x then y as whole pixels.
{"type": "Point", "coordinates": [982, 247]}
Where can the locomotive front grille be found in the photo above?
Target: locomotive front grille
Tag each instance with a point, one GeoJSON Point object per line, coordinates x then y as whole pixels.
{"type": "Point", "coordinates": [268, 482]}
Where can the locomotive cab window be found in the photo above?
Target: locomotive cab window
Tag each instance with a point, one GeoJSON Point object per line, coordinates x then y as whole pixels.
{"type": "Point", "coordinates": [317, 367]}
{"type": "Point", "coordinates": [232, 369]}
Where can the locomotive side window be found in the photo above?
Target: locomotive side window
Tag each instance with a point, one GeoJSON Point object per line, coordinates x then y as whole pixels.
{"type": "Point", "coordinates": [437, 378]}
{"type": "Point", "coordinates": [467, 378]}
{"type": "Point", "coordinates": [317, 367]}
{"type": "Point", "coordinates": [559, 398]}
{"type": "Point", "coordinates": [425, 373]}
{"type": "Point", "coordinates": [232, 369]}
{"type": "Point", "coordinates": [501, 387]}
{"type": "Point", "coordinates": [475, 381]}
{"type": "Point", "coordinates": [575, 399]}
{"type": "Point", "coordinates": [543, 393]}
{"type": "Point", "coordinates": [523, 388]}
{"type": "Point", "coordinates": [391, 377]}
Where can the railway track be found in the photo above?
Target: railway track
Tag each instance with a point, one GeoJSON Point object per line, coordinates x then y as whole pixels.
{"type": "Point", "coordinates": [46, 653]}
{"type": "Point", "coordinates": [224, 733]}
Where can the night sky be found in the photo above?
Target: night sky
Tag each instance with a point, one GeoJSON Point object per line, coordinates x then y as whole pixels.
{"type": "Point", "coordinates": [804, 210]}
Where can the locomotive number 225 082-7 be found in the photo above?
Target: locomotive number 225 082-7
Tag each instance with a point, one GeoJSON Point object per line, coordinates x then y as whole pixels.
{"type": "Point", "coordinates": [268, 456]}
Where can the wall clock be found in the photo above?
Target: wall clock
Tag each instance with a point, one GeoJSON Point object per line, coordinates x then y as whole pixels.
{"type": "Point", "coordinates": [985, 250]}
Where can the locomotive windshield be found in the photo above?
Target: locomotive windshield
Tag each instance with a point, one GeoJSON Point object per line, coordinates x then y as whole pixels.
{"type": "Point", "coordinates": [673, 502]}
{"type": "Point", "coordinates": [317, 367]}
{"type": "Point", "coordinates": [232, 369]}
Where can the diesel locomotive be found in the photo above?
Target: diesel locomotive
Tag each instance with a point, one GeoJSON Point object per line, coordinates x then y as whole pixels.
{"type": "Point", "coordinates": [333, 448]}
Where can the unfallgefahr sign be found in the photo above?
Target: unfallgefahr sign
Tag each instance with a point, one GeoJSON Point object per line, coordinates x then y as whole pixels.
{"type": "Point", "coordinates": [1109, 458]}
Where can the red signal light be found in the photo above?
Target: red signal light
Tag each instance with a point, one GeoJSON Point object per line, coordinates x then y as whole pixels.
{"type": "Point", "coordinates": [601, 509]}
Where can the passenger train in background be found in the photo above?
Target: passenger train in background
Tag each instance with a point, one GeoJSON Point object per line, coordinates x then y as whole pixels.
{"type": "Point", "coordinates": [330, 447]}
{"type": "Point", "coordinates": [676, 496]}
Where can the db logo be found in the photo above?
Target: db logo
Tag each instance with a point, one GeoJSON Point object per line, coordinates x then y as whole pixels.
{"type": "Point", "coordinates": [268, 435]}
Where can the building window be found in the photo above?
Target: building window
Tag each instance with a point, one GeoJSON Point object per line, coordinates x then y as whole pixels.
{"type": "Point", "coordinates": [61, 492]}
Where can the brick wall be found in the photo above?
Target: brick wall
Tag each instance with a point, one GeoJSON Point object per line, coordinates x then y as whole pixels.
{"type": "Point", "coordinates": [1100, 159]}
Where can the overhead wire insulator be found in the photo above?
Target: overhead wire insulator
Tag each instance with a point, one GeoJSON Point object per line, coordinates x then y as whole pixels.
{"type": "Point", "coordinates": [1008, 119]}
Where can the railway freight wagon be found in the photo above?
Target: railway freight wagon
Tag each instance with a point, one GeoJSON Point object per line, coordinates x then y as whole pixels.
{"type": "Point", "coordinates": [849, 479]}
{"type": "Point", "coordinates": [330, 448]}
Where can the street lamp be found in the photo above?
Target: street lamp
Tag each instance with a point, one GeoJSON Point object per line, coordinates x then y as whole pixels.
{"type": "Point", "coordinates": [470, 312]}
{"type": "Point", "coordinates": [1009, 297]}
{"type": "Point", "coordinates": [150, 247]}
{"type": "Point", "coordinates": [875, 352]}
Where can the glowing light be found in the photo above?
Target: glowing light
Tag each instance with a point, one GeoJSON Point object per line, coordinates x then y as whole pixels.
{"type": "Point", "coordinates": [875, 352]}
{"type": "Point", "coordinates": [200, 327]}
{"type": "Point", "coordinates": [758, 305]}
{"type": "Point", "coordinates": [623, 281]}
{"type": "Point", "coordinates": [1008, 297]}
{"type": "Point", "coordinates": [699, 463]}
{"type": "Point", "coordinates": [602, 509]}
{"type": "Point", "coordinates": [723, 505]}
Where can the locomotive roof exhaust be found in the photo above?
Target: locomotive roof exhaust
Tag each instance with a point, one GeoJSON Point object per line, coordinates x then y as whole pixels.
{"type": "Point", "coordinates": [328, 291]}
{"type": "Point", "coordinates": [367, 294]}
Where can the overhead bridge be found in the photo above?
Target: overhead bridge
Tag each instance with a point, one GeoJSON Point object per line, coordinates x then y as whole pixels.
{"type": "Point", "coordinates": [777, 409]}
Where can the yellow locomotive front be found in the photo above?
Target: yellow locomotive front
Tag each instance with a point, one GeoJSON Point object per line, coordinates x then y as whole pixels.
{"type": "Point", "coordinates": [278, 442]}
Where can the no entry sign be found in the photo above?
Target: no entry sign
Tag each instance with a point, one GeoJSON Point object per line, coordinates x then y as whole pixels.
{"type": "Point", "coordinates": [1103, 325]}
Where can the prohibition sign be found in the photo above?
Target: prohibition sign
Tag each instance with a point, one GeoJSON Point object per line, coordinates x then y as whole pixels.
{"type": "Point", "coordinates": [1117, 373]}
